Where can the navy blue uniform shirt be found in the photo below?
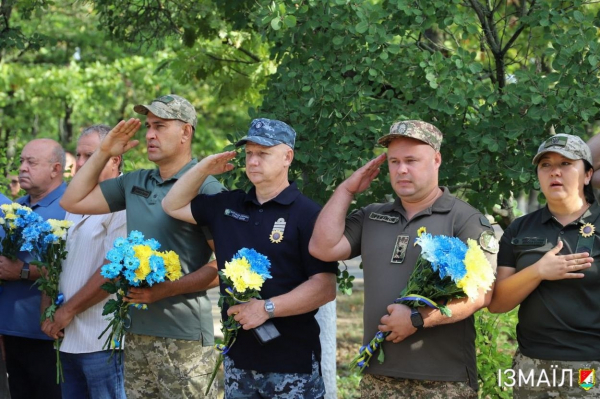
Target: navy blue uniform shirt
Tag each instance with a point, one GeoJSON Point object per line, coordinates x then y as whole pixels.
{"type": "Point", "coordinates": [279, 229]}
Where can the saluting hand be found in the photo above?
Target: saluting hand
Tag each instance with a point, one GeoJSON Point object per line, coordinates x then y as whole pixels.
{"type": "Point", "coordinates": [362, 178]}
{"type": "Point", "coordinates": [118, 140]}
{"type": "Point", "coordinates": [217, 163]}
{"type": "Point", "coordinates": [553, 266]}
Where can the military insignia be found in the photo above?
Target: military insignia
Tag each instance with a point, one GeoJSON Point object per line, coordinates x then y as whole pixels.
{"type": "Point", "coordinates": [556, 142]}
{"type": "Point", "coordinates": [277, 233]}
{"type": "Point", "coordinates": [401, 128]}
{"type": "Point", "coordinates": [383, 218]}
{"type": "Point", "coordinates": [587, 230]}
{"type": "Point", "coordinates": [400, 249]}
{"type": "Point", "coordinates": [258, 125]}
{"type": "Point", "coordinates": [488, 242]}
{"type": "Point", "coordinates": [587, 378]}
{"type": "Point", "coordinates": [585, 241]}
{"type": "Point", "coordinates": [485, 221]}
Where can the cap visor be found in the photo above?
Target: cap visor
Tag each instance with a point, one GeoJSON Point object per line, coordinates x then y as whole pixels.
{"type": "Point", "coordinates": [141, 109]}
{"type": "Point", "coordinates": [566, 154]}
{"type": "Point", "coordinates": [258, 140]}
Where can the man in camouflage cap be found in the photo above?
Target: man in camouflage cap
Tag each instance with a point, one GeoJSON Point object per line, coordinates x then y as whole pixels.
{"type": "Point", "coordinates": [419, 130]}
{"type": "Point", "coordinates": [426, 354]}
{"type": "Point", "coordinates": [169, 350]}
{"type": "Point", "coordinates": [170, 107]}
{"type": "Point", "coordinates": [276, 220]}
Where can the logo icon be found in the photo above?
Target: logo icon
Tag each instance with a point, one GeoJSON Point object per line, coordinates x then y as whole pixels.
{"type": "Point", "coordinates": [587, 378]}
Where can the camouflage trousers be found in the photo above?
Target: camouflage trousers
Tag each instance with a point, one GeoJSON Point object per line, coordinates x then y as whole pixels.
{"type": "Point", "coordinates": [167, 368]}
{"type": "Point", "coordinates": [553, 369]}
{"type": "Point", "coordinates": [382, 387]}
{"type": "Point", "coordinates": [250, 384]}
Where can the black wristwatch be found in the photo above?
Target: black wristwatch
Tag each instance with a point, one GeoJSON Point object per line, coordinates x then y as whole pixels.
{"type": "Point", "coordinates": [25, 271]}
{"type": "Point", "coordinates": [416, 319]}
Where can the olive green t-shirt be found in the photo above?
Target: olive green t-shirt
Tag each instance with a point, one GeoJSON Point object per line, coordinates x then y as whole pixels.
{"type": "Point", "coordinates": [141, 192]}
{"type": "Point", "coordinates": [385, 239]}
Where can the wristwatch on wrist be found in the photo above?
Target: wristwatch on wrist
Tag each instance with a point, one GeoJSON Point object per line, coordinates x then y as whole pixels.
{"type": "Point", "coordinates": [416, 319]}
{"type": "Point", "coordinates": [25, 271]}
{"type": "Point", "coordinates": [270, 308]}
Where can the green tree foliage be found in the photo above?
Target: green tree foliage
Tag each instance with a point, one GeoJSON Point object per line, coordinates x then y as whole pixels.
{"type": "Point", "coordinates": [60, 71]}
{"type": "Point", "coordinates": [494, 76]}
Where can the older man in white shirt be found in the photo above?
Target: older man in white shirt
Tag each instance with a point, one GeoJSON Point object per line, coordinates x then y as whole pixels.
{"type": "Point", "coordinates": [87, 369]}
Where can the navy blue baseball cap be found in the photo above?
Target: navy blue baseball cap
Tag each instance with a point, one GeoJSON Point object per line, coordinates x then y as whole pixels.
{"type": "Point", "coordinates": [269, 132]}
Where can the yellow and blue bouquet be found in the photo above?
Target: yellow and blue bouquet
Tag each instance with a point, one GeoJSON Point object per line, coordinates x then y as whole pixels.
{"type": "Point", "coordinates": [14, 219]}
{"type": "Point", "coordinates": [134, 262]}
{"type": "Point", "coordinates": [446, 269]}
{"type": "Point", "coordinates": [243, 278]}
{"type": "Point", "coordinates": [45, 240]}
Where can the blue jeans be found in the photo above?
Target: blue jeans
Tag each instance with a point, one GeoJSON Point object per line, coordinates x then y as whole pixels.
{"type": "Point", "coordinates": [92, 375]}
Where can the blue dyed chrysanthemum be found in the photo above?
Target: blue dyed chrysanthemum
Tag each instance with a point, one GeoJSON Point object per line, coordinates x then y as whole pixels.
{"type": "Point", "coordinates": [131, 262]}
{"type": "Point", "coordinates": [153, 244]}
{"type": "Point", "coordinates": [259, 263]}
{"type": "Point", "coordinates": [115, 254]}
{"type": "Point", "coordinates": [135, 237]}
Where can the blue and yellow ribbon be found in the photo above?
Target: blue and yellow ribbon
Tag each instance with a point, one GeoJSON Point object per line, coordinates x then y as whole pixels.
{"type": "Point", "coordinates": [231, 293]}
{"type": "Point", "coordinates": [418, 298]}
{"type": "Point", "coordinates": [366, 351]}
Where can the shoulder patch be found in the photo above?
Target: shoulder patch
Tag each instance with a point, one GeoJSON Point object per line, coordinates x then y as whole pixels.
{"type": "Point", "coordinates": [488, 242]}
{"type": "Point", "coordinates": [484, 221]}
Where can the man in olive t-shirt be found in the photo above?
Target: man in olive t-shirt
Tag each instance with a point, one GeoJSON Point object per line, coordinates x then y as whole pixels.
{"type": "Point", "coordinates": [426, 354]}
{"type": "Point", "coordinates": [169, 346]}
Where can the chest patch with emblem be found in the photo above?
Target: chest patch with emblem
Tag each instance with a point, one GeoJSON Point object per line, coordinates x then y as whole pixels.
{"type": "Point", "coordinates": [277, 233]}
{"type": "Point", "coordinates": [400, 248]}
{"type": "Point", "coordinates": [383, 218]}
{"type": "Point", "coordinates": [236, 215]}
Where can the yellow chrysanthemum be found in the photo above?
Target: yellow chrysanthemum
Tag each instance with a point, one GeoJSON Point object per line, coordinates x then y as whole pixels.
{"type": "Point", "coordinates": [421, 230]}
{"type": "Point", "coordinates": [479, 272]}
{"type": "Point", "coordinates": [143, 270]}
{"type": "Point", "coordinates": [172, 264]}
{"type": "Point", "coordinates": [1, 220]}
{"type": "Point", "coordinates": [142, 252]}
{"type": "Point", "coordinates": [59, 227]}
{"type": "Point", "coordinates": [240, 282]}
{"type": "Point", "coordinates": [10, 216]}
{"type": "Point", "coordinates": [254, 281]}
{"type": "Point", "coordinates": [236, 268]}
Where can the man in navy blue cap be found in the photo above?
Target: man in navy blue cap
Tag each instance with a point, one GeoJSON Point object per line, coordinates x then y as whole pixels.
{"type": "Point", "coordinates": [275, 219]}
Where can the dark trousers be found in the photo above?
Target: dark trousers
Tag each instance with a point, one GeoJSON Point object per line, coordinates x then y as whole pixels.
{"type": "Point", "coordinates": [31, 366]}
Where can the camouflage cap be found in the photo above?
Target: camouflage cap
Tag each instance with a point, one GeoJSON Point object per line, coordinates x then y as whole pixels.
{"type": "Point", "coordinates": [418, 130]}
{"type": "Point", "coordinates": [269, 132]}
{"type": "Point", "coordinates": [170, 106]}
{"type": "Point", "coordinates": [567, 145]}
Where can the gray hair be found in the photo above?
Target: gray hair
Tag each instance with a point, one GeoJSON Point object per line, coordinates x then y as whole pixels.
{"type": "Point", "coordinates": [101, 130]}
{"type": "Point", "coordinates": [58, 155]}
